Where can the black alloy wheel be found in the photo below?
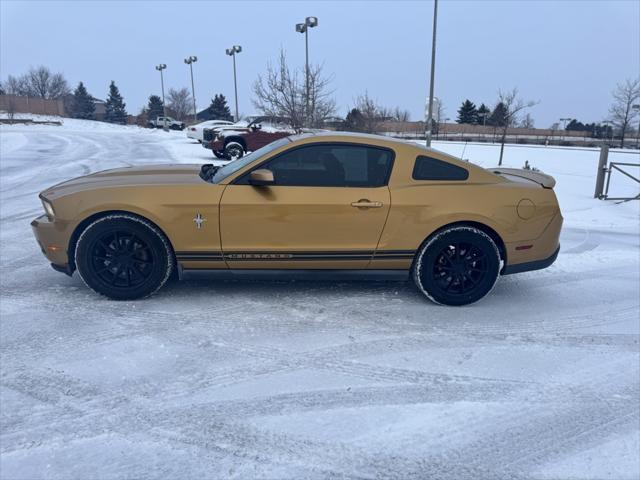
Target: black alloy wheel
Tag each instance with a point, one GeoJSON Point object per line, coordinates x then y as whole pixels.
{"type": "Point", "coordinates": [457, 266]}
{"type": "Point", "coordinates": [124, 257]}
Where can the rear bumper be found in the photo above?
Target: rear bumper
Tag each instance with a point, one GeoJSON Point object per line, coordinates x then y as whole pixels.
{"type": "Point", "coordinates": [528, 266]}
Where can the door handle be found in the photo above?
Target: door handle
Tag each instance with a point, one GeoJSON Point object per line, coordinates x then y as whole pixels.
{"type": "Point", "coordinates": [364, 203]}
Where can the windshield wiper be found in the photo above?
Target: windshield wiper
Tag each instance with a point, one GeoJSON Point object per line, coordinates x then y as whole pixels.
{"type": "Point", "coordinates": [207, 171]}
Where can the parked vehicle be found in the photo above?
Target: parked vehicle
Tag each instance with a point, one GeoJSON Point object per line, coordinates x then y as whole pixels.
{"type": "Point", "coordinates": [159, 122]}
{"type": "Point", "coordinates": [196, 131]}
{"type": "Point", "coordinates": [312, 202]}
{"type": "Point", "coordinates": [233, 141]}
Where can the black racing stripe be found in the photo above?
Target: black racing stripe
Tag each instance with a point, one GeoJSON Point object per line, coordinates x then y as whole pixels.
{"type": "Point", "coordinates": [301, 255]}
{"type": "Point", "coordinates": [395, 252]}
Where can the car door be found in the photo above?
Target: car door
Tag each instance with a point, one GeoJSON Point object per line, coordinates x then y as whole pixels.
{"type": "Point", "coordinates": [326, 209]}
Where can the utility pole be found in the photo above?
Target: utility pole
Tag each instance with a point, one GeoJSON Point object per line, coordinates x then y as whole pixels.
{"type": "Point", "coordinates": [433, 70]}
{"type": "Point", "coordinates": [190, 61]}
{"type": "Point", "coordinates": [232, 53]}
{"type": "Point", "coordinates": [309, 22]}
{"type": "Point", "coordinates": [161, 67]}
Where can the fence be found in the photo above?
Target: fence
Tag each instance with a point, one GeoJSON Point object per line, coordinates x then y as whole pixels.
{"type": "Point", "coordinates": [602, 188]}
{"type": "Point", "coordinates": [35, 105]}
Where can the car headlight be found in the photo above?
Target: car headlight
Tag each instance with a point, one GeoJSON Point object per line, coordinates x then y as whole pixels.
{"type": "Point", "coordinates": [48, 208]}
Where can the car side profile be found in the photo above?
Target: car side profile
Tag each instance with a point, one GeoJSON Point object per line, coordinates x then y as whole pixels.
{"type": "Point", "coordinates": [313, 202]}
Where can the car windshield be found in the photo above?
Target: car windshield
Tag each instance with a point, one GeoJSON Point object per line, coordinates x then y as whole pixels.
{"type": "Point", "coordinates": [232, 167]}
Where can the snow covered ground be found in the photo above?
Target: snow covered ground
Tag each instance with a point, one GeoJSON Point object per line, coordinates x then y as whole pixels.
{"type": "Point", "coordinates": [272, 379]}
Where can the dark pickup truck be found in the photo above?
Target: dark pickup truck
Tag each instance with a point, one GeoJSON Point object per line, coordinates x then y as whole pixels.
{"type": "Point", "coordinates": [230, 142]}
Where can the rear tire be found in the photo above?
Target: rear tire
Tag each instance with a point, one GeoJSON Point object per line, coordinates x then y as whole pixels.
{"type": "Point", "coordinates": [123, 257]}
{"type": "Point", "coordinates": [457, 266]}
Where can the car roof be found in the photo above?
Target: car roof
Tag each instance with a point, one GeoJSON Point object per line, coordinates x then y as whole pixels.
{"type": "Point", "coordinates": [364, 137]}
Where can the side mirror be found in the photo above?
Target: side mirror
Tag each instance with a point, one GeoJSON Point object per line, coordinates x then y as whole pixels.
{"type": "Point", "coordinates": [261, 177]}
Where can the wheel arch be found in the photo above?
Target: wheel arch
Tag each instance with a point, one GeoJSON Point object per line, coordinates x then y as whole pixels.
{"type": "Point", "coordinates": [75, 235]}
{"type": "Point", "coordinates": [236, 139]}
{"type": "Point", "coordinates": [470, 223]}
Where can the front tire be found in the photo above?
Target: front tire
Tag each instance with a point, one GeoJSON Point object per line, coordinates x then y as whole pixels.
{"type": "Point", "coordinates": [123, 257]}
{"type": "Point", "coordinates": [219, 154]}
{"type": "Point", "coordinates": [233, 151]}
{"type": "Point", "coordinates": [457, 266]}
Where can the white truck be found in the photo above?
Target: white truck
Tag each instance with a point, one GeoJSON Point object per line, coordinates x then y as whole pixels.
{"type": "Point", "coordinates": [159, 122]}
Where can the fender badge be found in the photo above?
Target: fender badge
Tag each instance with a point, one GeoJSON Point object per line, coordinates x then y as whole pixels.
{"type": "Point", "coordinates": [199, 220]}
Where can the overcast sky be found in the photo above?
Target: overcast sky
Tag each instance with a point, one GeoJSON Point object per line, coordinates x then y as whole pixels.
{"type": "Point", "coordinates": [568, 54]}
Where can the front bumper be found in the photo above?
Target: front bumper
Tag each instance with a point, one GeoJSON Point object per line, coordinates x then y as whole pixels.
{"type": "Point", "coordinates": [52, 239]}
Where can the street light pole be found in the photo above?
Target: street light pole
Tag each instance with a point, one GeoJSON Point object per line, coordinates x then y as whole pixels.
{"type": "Point", "coordinates": [309, 22]}
{"type": "Point", "coordinates": [190, 61]}
{"type": "Point", "coordinates": [232, 52]}
{"type": "Point", "coordinates": [433, 69]}
{"type": "Point", "coordinates": [161, 67]}
{"type": "Point", "coordinates": [636, 108]}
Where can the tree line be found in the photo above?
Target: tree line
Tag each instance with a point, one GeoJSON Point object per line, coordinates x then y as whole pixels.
{"type": "Point", "coordinates": [305, 98]}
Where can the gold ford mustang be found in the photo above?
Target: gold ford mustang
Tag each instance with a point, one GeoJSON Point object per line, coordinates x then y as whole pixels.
{"type": "Point", "coordinates": [329, 201]}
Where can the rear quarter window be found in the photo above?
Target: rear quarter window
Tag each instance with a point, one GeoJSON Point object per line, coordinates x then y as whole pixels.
{"type": "Point", "coordinates": [427, 168]}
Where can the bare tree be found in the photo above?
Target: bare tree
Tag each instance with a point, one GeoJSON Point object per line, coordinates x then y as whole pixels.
{"type": "Point", "coordinates": [621, 111]}
{"type": "Point", "coordinates": [512, 108]}
{"type": "Point", "coordinates": [16, 85]}
{"type": "Point", "coordinates": [372, 113]}
{"type": "Point", "coordinates": [38, 82]}
{"type": "Point", "coordinates": [281, 92]}
{"type": "Point", "coordinates": [180, 103]}
{"type": "Point", "coordinates": [401, 115]}
{"type": "Point", "coordinates": [527, 121]}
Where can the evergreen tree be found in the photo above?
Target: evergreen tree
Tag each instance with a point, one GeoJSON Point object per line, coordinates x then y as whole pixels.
{"type": "Point", "coordinates": [467, 113]}
{"type": "Point", "coordinates": [115, 107]}
{"type": "Point", "coordinates": [82, 105]}
{"type": "Point", "coordinates": [483, 114]}
{"type": "Point", "coordinates": [355, 121]}
{"type": "Point", "coordinates": [155, 107]}
{"type": "Point", "coordinates": [219, 110]}
{"type": "Point", "coordinates": [499, 116]}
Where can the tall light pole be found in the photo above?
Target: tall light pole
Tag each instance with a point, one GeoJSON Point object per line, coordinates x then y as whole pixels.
{"type": "Point", "coordinates": [636, 108]}
{"type": "Point", "coordinates": [433, 71]}
{"type": "Point", "coordinates": [232, 53]}
{"type": "Point", "coordinates": [161, 67]}
{"type": "Point", "coordinates": [190, 61]}
{"type": "Point", "coordinates": [309, 22]}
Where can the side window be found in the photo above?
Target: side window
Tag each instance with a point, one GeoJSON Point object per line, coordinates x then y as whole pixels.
{"type": "Point", "coordinates": [331, 165]}
{"type": "Point", "coordinates": [427, 168]}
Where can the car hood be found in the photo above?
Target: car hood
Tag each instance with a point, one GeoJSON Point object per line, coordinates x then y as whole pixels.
{"type": "Point", "coordinates": [128, 176]}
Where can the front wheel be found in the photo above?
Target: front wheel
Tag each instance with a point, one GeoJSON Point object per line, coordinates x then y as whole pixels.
{"type": "Point", "coordinates": [219, 154]}
{"type": "Point", "coordinates": [123, 257]}
{"type": "Point", "coordinates": [233, 151]}
{"type": "Point", "coordinates": [457, 266]}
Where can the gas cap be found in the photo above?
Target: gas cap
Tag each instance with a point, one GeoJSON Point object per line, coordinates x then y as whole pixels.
{"type": "Point", "coordinates": [526, 209]}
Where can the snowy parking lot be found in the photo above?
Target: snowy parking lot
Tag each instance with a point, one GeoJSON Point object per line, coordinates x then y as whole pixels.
{"type": "Point", "coordinates": [245, 379]}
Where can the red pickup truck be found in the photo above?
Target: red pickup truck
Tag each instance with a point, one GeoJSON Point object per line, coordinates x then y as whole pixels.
{"type": "Point", "coordinates": [230, 142]}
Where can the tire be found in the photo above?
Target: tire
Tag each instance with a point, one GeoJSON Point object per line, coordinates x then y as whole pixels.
{"type": "Point", "coordinates": [233, 151]}
{"type": "Point", "coordinates": [219, 154]}
{"type": "Point", "coordinates": [457, 266]}
{"type": "Point", "coordinates": [123, 257]}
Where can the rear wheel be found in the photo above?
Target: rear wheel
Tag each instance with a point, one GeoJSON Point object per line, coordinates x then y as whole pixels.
{"type": "Point", "coordinates": [123, 257]}
{"type": "Point", "coordinates": [457, 266]}
{"type": "Point", "coordinates": [233, 151]}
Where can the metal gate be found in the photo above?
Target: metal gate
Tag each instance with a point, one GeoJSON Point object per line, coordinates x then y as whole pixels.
{"type": "Point", "coordinates": [613, 166]}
